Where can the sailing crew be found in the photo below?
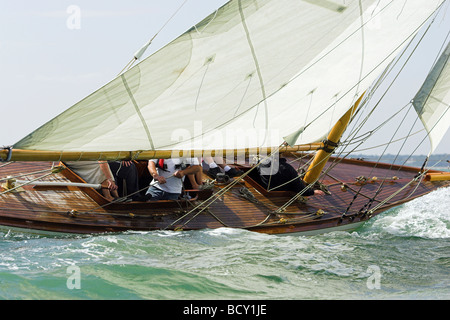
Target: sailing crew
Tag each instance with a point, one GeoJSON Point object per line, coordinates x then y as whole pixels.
{"type": "Point", "coordinates": [216, 165]}
{"type": "Point", "coordinates": [96, 172]}
{"type": "Point", "coordinates": [168, 177]}
{"type": "Point", "coordinates": [126, 175]}
{"type": "Point", "coordinates": [279, 175]}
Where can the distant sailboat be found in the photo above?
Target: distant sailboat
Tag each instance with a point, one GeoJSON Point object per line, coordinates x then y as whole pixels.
{"type": "Point", "coordinates": [257, 78]}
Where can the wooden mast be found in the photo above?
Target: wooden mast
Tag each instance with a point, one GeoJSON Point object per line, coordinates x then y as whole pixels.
{"type": "Point", "coordinates": [35, 155]}
{"type": "Point", "coordinates": [330, 144]}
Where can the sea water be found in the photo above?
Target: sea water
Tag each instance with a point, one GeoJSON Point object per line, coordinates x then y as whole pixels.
{"type": "Point", "coordinates": [401, 254]}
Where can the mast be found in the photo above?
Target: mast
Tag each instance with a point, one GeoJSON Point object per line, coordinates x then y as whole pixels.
{"type": "Point", "coordinates": [330, 144]}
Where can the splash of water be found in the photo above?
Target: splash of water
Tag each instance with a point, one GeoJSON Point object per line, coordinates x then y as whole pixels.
{"type": "Point", "coordinates": [426, 217]}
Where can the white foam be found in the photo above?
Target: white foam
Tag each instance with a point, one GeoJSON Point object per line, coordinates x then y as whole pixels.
{"type": "Point", "coordinates": [427, 216]}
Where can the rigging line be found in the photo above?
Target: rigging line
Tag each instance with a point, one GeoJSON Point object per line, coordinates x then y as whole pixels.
{"type": "Point", "coordinates": [299, 194]}
{"type": "Point", "coordinates": [373, 131]}
{"type": "Point", "coordinates": [370, 202]}
{"type": "Point", "coordinates": [381, 145]}
{"type": "Point", "coordinates": [142, 50]}
{"type": "Point", "coordinates": [372, 89]}
{"type": "Point", "coordinates": [295, 198]}
{"type": "Point", "coordinates": [6, 164]}
{"type": "Point", "coordinates": [348, 186]}
{"type": "Point", "coordinates": [333, 165]}
{"type": "Point", "coordinates": [258, 70]}
{"type": "Point", "coordinates": [27, 183]}
{"type": "Point", "coordinates": [330, 125]}
{"type": "Point", "coordinates": [363, 50]}
{"type": "Point", "coordinates": [374, 67]}
{"type": "Point", "coordinates": [300, 158]}
{"type": "Point", "coordinates": [209, 22]}
{"type": "Point", "coordinates": [318, 40]}
{"type": "Point", "coordinates": [337, 161]}
{"type": "Point", "coordinates": [439, 54]}
{"type": "Point", "coordinates": [213, 198]}
{"type": "Point", "coordinates": [420, 179]}
{"type": "Point", "coordinates": [424, 138]}
{"type": "Point", "coordinates": [293, 179]}
{"type": "Point", "coordinates": [375, 166]}
{"type": "Point", "coordinates": [259, 223]}
{"type": "Point", "coordinates": [189, 203]}
{"type": "Point", "coordinates": [421, 175]}
{"type": "Point", "coordinates": [429, 95]}
{"type": "Point", "coordinates": [326, 110]}
{"type": "Point", "coordinates": [298, 176]}
{"type": "Point", "coordinates": [380, 80]}
{"type": "Point", "coordinates": [26, 174]}
{"type": "Point", "coordinates": [342, 149]}
{"type": "Point", "coordinates": [383, 61]}
{"type": "Point", "coordinates": [113, 202]}
{"type": "Point", "coordinates": [396, 77]}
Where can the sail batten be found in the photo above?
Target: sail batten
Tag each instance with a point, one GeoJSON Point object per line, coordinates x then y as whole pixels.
{"type": "Point", "coordinates": [242, 78]}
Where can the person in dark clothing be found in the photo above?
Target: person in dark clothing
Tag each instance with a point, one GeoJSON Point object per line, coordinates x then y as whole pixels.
{"type": "Point", "coordinates": [279, 175]}
{"type": "Point", "coordinates": [126, 175]}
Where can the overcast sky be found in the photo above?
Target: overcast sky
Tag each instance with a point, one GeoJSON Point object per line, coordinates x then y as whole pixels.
{"type": "Point", "coordinates": [51, 58]}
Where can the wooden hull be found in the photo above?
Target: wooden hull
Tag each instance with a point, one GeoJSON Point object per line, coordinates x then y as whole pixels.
{"type": "Point", "coordinates": [75, 210]}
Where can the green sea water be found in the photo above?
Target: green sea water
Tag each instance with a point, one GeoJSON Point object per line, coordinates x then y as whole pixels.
{"type": "Point", "coordinates": [402, 254]}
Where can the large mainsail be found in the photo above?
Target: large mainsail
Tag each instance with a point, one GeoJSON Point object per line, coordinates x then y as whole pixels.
{"type": "Point", "coordinates": [249, 74]}
{"type": "Point", "coordinates": [432, 102]}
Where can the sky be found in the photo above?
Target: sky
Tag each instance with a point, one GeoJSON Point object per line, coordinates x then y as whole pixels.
{"type": "Point", "coordinates": [53, 53]}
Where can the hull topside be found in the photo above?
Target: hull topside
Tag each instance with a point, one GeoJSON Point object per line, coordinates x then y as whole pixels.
{"type": "Point", "coordinates": [355, 188]}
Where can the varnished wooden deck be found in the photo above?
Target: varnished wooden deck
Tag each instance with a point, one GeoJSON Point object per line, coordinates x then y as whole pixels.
{"type": "Point", "coordinates": [83, 210]}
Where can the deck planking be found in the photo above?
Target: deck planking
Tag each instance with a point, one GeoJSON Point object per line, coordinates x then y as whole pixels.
{"type": "Point", "coordinates": [84, 210]}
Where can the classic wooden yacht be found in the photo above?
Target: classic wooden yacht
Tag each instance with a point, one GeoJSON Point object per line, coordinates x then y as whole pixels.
{"type": "Point", "coordinates": [300, 80]}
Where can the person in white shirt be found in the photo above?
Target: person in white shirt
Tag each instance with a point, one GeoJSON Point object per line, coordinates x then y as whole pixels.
{"type": "Point", "coordinates": [168, 179]}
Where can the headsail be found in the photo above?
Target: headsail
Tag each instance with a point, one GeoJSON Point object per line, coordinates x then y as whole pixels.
{"type": "Point", "coordinates": [432, 102]}
{"type": "Point", "coordinates": [255, 68]}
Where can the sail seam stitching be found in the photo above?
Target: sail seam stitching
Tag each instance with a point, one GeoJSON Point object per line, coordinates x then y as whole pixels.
{"type": "Point", "coordinates": [258, 69]}
{"type": "Point", "coordinates": [138, 111]}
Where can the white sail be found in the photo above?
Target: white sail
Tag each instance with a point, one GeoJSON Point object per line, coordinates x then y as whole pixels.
{"type": "Point", "coordinates": [259, 69]}
{"type": "Point", "coordinates": [432, 102]}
